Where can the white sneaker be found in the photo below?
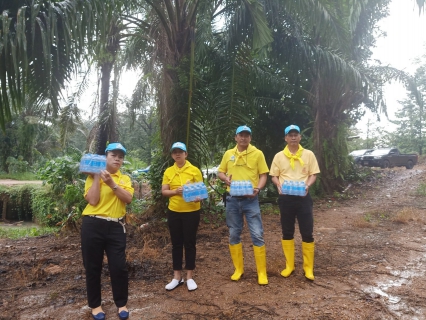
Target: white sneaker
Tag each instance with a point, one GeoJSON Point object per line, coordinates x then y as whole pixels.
{"type": "Point", "coordinates": [191, 285]}
{"type": "Point", "coordinates": [174, 284]}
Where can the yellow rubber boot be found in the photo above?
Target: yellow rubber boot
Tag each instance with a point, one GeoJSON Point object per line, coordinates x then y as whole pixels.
{"type": "Point", "coordinates": [260, 257]}
{"type": "Point", "coordinates": [238, 260]}
{"type": "Point", "coordinates": [288, 249]}
{"type": "Point", "coordinates": [308, 249]}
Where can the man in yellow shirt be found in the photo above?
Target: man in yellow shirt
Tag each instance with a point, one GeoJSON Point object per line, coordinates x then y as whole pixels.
{"type": "Point", "coordinates": [295, 163]}
{"type": "Point", "coordinates": [245, 163]}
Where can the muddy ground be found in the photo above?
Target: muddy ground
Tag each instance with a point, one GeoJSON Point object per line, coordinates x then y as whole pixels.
{"type": "Point", "coordinates": [370, 263]}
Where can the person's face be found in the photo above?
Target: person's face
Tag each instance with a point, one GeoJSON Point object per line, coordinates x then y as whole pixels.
{"type": "Point", "coordinates": [243, 139]}
{"type": "Point", "coordinates": [115, 160]}
{"type": "Point", "coordinates": [293, 138]}
{"type": "Point", "coordinates": [179, 155]}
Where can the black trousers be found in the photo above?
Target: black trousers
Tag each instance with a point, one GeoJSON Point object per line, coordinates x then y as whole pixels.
{"type": "Point", "coordinates": [292, 207]}
{"type": "Point", "coordinates": [99, 236]}
{"type": "Point", "coordinates": [183, 228]}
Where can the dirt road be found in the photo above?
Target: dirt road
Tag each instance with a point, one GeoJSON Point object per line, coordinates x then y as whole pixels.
{"type": "Point", "coordinates": [10, 182]}
{"type": "Point", "coordinates": [369, 264]}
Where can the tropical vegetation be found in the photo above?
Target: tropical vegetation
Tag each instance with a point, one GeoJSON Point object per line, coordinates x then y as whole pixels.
{"type": "Point", "coordinates": [206, 66]}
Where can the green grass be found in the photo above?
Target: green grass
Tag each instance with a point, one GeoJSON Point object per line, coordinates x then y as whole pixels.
{"type": "Point", "coordinates": [19, 176]}
{"type": "Point", "coordinates": [23, 232]}
{"type": "Point", "coordinates": [421, 190]}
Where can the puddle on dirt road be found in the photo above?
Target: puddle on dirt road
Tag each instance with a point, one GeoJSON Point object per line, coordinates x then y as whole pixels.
{"type": "Point", "coordinates": [397, 304]}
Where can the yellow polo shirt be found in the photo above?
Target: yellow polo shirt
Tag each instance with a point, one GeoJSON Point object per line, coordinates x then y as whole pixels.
{"type": "Point", "coordinates": [246, 165]}
{"type": "Point", "coordinates": [176, 177]}
{"type": "Point", "coordinates": [281, 168]}
{"type": "Point", "coordinates": [109, 204]}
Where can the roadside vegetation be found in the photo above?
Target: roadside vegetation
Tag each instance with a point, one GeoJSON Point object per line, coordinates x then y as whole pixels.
{"type": "Point", "coordinates": [267, 64]}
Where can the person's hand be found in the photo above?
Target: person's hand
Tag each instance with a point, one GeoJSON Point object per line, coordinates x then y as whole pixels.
{"type": "Point", "coordinates": [106, 177]}
{"type": "Point", "coordinates": [228, 180]}
{"type": "Point", "coordinates": [306, 190]}
{"type": "Point", "coordinates": [197, 199]}
{"type": "Point", "coordinates": [279, 189]}
{"type": "Point", "coordinates": [179, 190]}
{"type": "Point", "coordinates": [256, 191]}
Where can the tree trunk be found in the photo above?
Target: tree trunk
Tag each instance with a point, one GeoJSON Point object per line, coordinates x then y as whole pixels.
{"type": "Point", "coordinates": [104, 123]}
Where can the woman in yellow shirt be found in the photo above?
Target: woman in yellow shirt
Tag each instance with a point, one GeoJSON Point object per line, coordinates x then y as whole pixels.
{"type": "Point", "coordinates": [183, 217]}
{"type": "Point", "coordinates": [103, 230]}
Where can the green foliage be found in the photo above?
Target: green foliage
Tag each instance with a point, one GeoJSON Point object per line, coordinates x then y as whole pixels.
{"type": "Point", "coordinates": [155, 175]}
{"type": "Point", "coordinates": [358, 173]}
{"type": "Point", "coordinates": [138, 206]}
{"type": "Point", "coordinates": [73, 199]}
{"type": "Point", "coordinates": [45, 208]}
{"type": "Point", "coordinates": [62, 200]}
{"type": "Point", "coordinates": [59, 173]}
{"type": "Point", "coordinates": [17, 165]}
{"type": "Point", "coordinates": [23, 232]}
{"type": "Point", "coordinates": [19, 200]}
{"type": "Point", "coordinates": [421, 190]}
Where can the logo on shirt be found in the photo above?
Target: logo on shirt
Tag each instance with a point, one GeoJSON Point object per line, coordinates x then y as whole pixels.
{"type": "Point", "coordinates": [232, 158]}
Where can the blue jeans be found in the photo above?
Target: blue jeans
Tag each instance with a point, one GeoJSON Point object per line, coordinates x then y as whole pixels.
{"type": "Point", "coordinates": [236, 209]}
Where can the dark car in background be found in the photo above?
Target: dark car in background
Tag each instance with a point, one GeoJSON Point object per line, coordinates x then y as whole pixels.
{"type": "Point", "coordinates": [389, 158]}
{"type": "Point", "coordinates": [357, 154]}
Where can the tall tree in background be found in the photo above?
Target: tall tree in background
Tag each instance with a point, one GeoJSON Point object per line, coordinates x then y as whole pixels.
{"type": "Point", "coordinates": [41, 44]}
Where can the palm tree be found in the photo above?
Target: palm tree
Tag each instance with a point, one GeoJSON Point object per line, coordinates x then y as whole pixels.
{"type": "Point", "coordinates": [41, 44]}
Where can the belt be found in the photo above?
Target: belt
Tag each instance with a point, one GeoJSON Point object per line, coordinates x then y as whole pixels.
{"type": "Point", "coordinates": [119, 220]}
{"type": "Point", "coordinates": [236, 197]}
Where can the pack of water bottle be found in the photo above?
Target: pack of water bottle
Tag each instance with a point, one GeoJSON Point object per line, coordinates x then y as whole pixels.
{"type": "Point", "coordinates": [92, 163]}
{"type": "Point", "coordinates": [294, 188]}
{"type": "Point", "coordinates": [192, 191]}
{"type": "Point", "coordinates": [240, 188]}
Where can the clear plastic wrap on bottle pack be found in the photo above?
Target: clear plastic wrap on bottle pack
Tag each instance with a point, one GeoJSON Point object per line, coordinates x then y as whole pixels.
{"type": "Point", "coordinates": [293, 188]}
{"type": "Point", "coordinates": [92, 163]}
{"type": "Point", "coordinates": [192, 191]}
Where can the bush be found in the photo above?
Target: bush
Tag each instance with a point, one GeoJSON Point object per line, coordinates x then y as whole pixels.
{"type": "Point", "coordinates": [45, 208]}
{"type": "Point", "coordinates": [63, 199]}
{"type": "Point", "coordinates": [19, 200]}
{"type": "Point", "coordinates": [17, 165]}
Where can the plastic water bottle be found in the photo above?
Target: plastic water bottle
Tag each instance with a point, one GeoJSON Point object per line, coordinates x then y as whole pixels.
{"type": "Point", "coordinates": [284, 187]}
{"type": "Point", "coordinates": [302, 188]}
{"type": "Point", "coordinates": [198, 190]}
{"type": "Point", "coordinates": [291, 187]}
{"type": "Point", "coordinates": [249, 187]}
{"type": "Point", "coordinates": [205, 192]}
{"type": "Point", "coordinates": [103, 162]}
{"type": "Point", "coordinates": [84, 163]}
{"type": "Point", "coordinates": [239, 188]}
{"type": "Point", "coordinates": [234, 188]}
{"type": "Point", "coordinates": [243, 187]}
{"type": "Point", "coordinates": [185, 193]}
{"type": "Point", "coordinates": [94, 164]}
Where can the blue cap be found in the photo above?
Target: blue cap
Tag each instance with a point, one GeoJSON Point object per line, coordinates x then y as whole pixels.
{"type": "Point", "coordinates": [115, 146]}
{"type": "Point", "coordinates": [178, 145]}
{"type": "Point", "coordinates": [243, 128]}
{"type": "Point", "coordinates": [291, 127]}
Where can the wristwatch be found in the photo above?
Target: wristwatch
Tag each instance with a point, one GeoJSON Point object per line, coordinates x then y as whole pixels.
{"type": "Point", "coordinates": [114, 187]}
